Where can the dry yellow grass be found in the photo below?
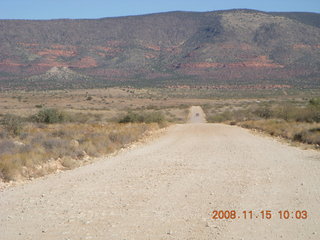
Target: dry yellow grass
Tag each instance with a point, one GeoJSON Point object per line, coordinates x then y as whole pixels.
{"type": "Point", "coordinates": [296, 131]}
{"type": "Point", "coordinates": [42, 149]}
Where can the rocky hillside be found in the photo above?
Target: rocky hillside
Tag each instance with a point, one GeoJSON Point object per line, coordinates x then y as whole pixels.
{"type": "Point", "coordinates": [234, 48]}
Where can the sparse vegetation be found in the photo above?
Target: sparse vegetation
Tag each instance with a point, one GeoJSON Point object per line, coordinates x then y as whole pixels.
{"type": "Point", "coordinates": [149, 117]}
{"type": "Point", "coordinates": [12, 124]}
{"type": "Point", "coordinates": [50, 115]}
{"type": "Point", "coordinates": [66, 129]}
{"type": "Point", "coordinates": [42, 149]}
{"type": "Point", "coordinates": [53, 139]}
{"type": "Point", "coordinates": [287, 120]}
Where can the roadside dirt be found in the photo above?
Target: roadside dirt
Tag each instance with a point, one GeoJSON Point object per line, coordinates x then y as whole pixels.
{"type": "Point", "coordinates": [168, 188]}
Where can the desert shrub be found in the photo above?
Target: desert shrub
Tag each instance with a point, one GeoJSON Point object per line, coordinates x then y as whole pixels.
{"type": "Point", "coordinates": [7, 146]}
{"type": "Point", "coordinates": [3, 134]}
{"type": "Point", "coordinates": [50, 115]}
{"type": "Point", "coordinates": [53, 146]}
{"type": "Point", "coordinates": [289, 112]}
{"type": "Point", "coordinates": [297, 131]}
{"type": "Point", "coordinates": [54, 143]}
{"type": "Point", "coordinates": [206, 107]}
{"type": "Point", "coordinates": [95, 143]}
{"type": "Point", "coordinates": [122, 137]}
{"type": "Point", "coordinates": [264, 112]}
{"type": "Point", "coordinates": [275, 127]}
{"type": "Point", "coordinates": [81, 117]}
{"type": "Point", "coordinates": [89, 147]}
{"type": "Point", "coordinates": [183, 106]}
{"type": "Point", "coordinates": [13, 124]}
{"type": "Point", "coordinates": [218, 118]}
{"type": "Point", "coordinates": [69, 163]}
{"type": "Point", "coordinates": [307, 114]}
{"type": "Point", "coordinates": [152, 107]}
{"type": "Point", "coordinates": [310, 113]}
{"type": "Point", "coordinates": [115, 137]}
{"type": "Point", "coordinates": [131, 117]}
{"type": "Point", "coordinates": [37, 138]}
{"type": "Point", "coordinates": [315, 102]}
{"type": "Point", "coordinates": [59, 133]}
{"type": "Point", "coordinates": [310, 136]}
{"type": "Point", "coordinates": [153, 117]}
{"type": "Point", "coordinates": [242, 115]}
{"type": "Point", "coordinates": [313, 111]}
{"type": "Point", "coordinates": [8, 168]}
{"type": "Point", "coordinates": [286, 112]}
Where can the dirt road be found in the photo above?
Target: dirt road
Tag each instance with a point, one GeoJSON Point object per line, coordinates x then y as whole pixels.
{"type": "Point", "coordinates": [196, 115]}
{"type": "Point", "coordinates": [168, 188]}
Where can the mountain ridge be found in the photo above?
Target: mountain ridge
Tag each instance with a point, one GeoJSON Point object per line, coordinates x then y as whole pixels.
{"type": "Point", "coordinates": [227, 47]}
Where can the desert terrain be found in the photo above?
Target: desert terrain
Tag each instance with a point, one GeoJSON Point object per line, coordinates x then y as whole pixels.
{"type": "Point", "coordinates": [169, 187]}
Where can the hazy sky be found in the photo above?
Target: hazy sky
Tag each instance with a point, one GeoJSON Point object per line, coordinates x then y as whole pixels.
{"type": "Point", "coordinates": [48, 9]}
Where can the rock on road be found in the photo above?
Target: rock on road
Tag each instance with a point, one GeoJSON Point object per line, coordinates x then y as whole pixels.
{"type": "Point", "coordinates": [168, 188]}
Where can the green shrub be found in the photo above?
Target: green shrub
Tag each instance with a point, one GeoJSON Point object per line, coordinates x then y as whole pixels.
{"type": "Point", "coordinates": [315, 102]}
{"type": "Point", "coordinates": [50, 115]}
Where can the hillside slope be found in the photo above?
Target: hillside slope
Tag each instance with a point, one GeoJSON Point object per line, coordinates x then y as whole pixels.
{"type": "Point", "coordinates": [235, 47]}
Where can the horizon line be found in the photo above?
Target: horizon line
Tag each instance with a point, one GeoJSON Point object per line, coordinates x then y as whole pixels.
{"type": "Point", "coordinates": [153, 13]}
